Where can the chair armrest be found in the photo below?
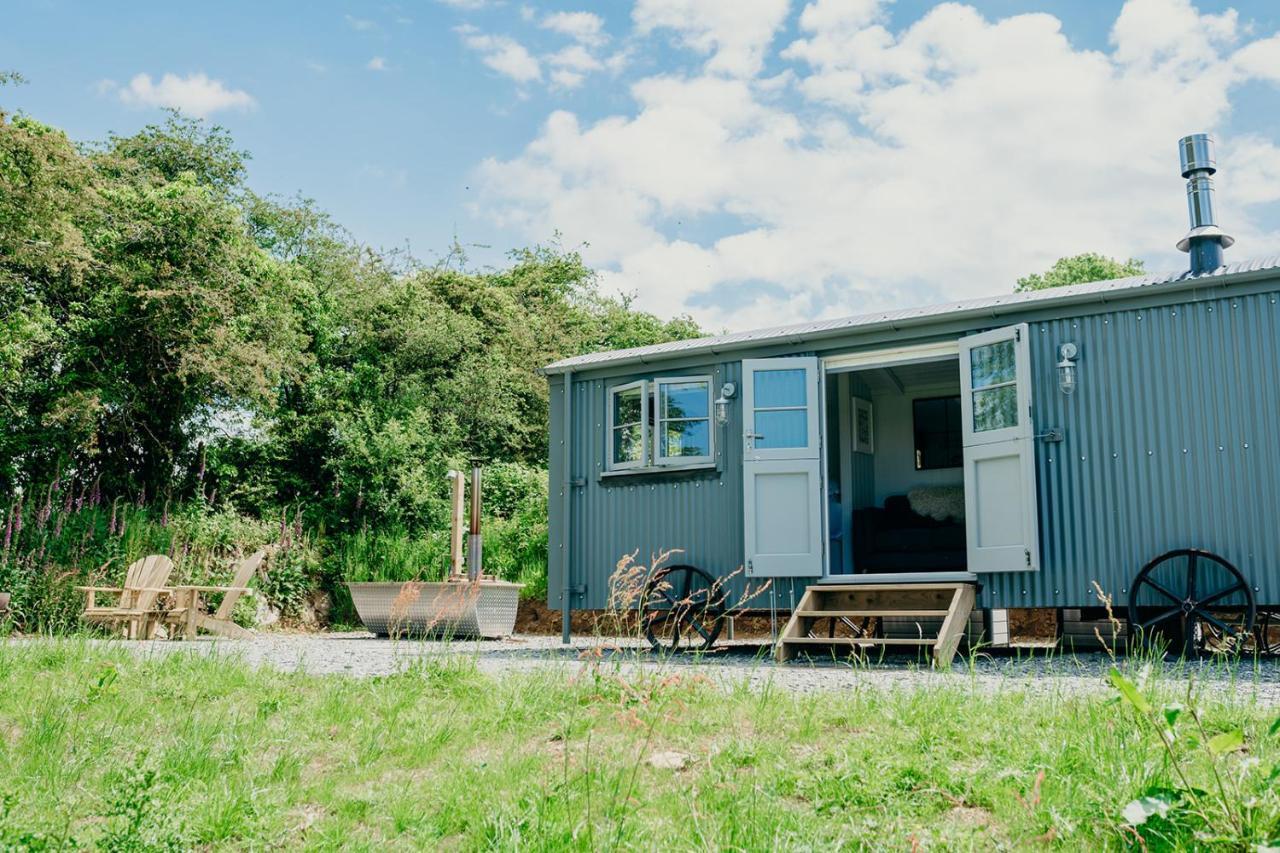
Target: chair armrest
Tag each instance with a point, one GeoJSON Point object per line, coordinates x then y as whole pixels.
{"type": "Point", "coordinates": [197, 588]}
{"type": "Point", "coordinates": [99, 589]}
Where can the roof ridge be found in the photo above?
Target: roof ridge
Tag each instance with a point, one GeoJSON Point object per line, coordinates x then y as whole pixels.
{"type": "Point", "coordinates": [710, 343]}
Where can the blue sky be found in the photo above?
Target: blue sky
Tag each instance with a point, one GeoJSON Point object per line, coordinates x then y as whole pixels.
{"type": "Point", "coordinates": [750, 161]}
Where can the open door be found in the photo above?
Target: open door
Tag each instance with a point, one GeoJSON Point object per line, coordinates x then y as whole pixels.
{"type": "Point", "coordinates": [782, 484]}
{"type": "Point", "coordinates": [999, 451]}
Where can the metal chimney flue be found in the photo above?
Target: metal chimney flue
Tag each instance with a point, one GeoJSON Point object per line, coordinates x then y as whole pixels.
{"type": "Point", "coordinates": [1205, 241]}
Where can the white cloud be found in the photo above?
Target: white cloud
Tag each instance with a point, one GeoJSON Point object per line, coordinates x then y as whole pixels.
{"type": "Point", "coordinates": [735, 32]}
{"type": "Point", "coordinates": [503, 54]}
{"type": "Point", "coordinates": [583, 27]}
{"type": "Point", "coordinates": [563, 78]}
{"type": "Point", "coordinates": [466, 5]}
{"type": "Point", "coordinates": [1260, 59]}
{"type": "Point", "coordinates": [359, 24]}
{"type": "Point", "coordinates": [196, 94]}
{"type": "Point", "coordinates": [939, 161]}
{"type": "Point", "coordinates": [376, 64]}
{"type": "Point", "coordinates": [575, 56]}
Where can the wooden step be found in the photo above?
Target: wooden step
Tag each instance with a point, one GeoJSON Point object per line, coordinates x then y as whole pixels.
{"type": "Point", "coordinates": [818, 614]}
{"type": "Point", "coordinates": [881, 600]}
{"type": "Point", "coordinates": [860, 641]}
{"type": "Point", "coordinates": [885, 587]}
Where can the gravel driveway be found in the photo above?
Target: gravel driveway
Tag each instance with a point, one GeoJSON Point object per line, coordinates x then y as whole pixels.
{"type": "Point", "coordinates": [736, 663]}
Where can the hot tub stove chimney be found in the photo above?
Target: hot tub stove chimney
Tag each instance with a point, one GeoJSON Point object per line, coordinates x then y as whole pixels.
{"type": "Point", "coordinates": [1205, 241]}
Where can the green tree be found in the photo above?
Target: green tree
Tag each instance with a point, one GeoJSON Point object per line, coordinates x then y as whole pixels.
{"type": "Point", "coordinates": [137, 305]}
{"type": "Point", "coordinates": [1079, 269]}
{"type": "Point", "coordinates": [162, 323]}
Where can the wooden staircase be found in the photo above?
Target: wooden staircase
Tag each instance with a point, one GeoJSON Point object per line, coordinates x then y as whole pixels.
{"type": "Point", "coordinates": [829, 616]}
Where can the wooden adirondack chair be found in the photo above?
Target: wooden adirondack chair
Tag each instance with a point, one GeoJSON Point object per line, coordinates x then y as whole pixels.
{"type": "Point", "coordinates": [189, 616]}
{"type": "Point", "coordinates": [136, 606]}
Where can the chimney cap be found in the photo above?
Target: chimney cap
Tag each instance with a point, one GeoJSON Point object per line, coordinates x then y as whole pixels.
{"type": "Point", "coordinates": [1226, 240]}
{"type": "Point", "coordinates": [1197, 154]}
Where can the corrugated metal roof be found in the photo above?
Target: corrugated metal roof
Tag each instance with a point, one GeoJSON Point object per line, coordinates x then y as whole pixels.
{"type": "Point", "coordinates": [804, 332]}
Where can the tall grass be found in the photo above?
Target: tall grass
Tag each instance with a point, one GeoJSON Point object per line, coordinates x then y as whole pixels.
{"type": "Point", "coordinates": [51, 544]}
{"type": "Point", "coordinates": [63, 536]}
{"type": "Point", "coordinates": [515, 549]}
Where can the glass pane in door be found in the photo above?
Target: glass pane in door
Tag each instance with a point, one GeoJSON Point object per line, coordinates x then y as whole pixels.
{"type": "Point", "coordinates": [995, 408]}
{"type": "Point", "coordinates": [782, 428]}
{"type": "Point", "coordinates": [993, 364]}
{"type": "Point", "coordinates": [778, 389]}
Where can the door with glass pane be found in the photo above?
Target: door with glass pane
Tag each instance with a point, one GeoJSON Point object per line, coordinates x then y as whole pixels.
{"type": "Point", "coordinates": [782, 487]}
{"type": "Point", "coordinates": [999, 451]}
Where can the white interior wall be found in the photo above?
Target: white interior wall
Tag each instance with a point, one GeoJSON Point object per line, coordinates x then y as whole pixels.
{"type": "Point", "coordinates": [895, 470]}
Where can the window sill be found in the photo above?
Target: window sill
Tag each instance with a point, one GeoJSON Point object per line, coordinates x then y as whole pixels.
{"type": "Point", "coordinates": [658, 469]}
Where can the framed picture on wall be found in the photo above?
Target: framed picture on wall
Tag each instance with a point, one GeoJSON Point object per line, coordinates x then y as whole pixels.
{"type": "Point", "coordinates": [864, 434]}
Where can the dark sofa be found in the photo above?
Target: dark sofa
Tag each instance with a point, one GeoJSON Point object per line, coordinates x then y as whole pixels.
{"type": "Point", "coordinates": [896, 539]}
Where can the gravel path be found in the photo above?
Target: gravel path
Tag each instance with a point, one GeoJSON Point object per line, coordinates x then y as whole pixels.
{"type": "Point", "coordinates": [736, 664]}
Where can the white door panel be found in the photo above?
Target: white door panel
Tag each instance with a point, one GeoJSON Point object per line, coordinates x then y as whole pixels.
{"type": "Point", "coordinates": [999, 452]}
{"type": "Point", "coordinates": [782, 487]}
{"type": "Point", "coordinates": [783, 518]}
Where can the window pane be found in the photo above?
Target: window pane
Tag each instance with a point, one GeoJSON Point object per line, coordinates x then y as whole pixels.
{"type": "Point", "coordinates": [995, 408]}
{"type": "Point", "coordinates": [775, 389]}
{"type": "Point", "coordinates": [686, 438]}
{"type": "Point", "coordinates": [782, 429]}
{"type": "Point", "coordinates": [992, 364]}
{"type": "Point", "coordinates": [628, 445]}
{"type": "Point", "coordinates": [626, 406]}
{"type": "Point", "coordinates": [685, 399]}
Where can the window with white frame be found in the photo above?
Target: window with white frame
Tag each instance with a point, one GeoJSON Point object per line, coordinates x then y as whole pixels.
{"type": "Point", "coordinates": [660, 423]}
{"type": "Point", "coordinates": [629, 426]}
{"type": "Point", "coordinates": [683, 420]}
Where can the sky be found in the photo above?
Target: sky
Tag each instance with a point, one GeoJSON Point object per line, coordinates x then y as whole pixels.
{"type": "Point", "coordinates": [748, 162]}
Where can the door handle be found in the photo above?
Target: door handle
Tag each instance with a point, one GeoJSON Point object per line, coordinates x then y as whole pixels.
{"type": "Point", "coordinates": [754, 435]}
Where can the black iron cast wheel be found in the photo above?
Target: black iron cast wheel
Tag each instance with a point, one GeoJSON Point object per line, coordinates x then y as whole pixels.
{"type": "Point", "coordinates": [684, 609]}
{"type": "Point", "coordinates": [1266, 633]}
{"type": "Point", "coordinates": [1193, 602]}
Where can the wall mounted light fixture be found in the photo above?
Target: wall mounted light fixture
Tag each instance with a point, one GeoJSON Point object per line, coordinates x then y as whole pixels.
{"type": "Point", "coordinates": [1067, 368]}
{"type": "Point", "coordinates": [722, 402]}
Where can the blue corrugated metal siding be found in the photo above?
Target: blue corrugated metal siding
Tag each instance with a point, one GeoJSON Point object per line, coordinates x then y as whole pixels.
{"type": "Point", "coordinates": [1172, 439]}
{"type": "Point", "coordinates": [699, 513]}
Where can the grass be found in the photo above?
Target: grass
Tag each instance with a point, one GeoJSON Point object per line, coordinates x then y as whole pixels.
{"type": "Point", "coordinates": [99, 748]}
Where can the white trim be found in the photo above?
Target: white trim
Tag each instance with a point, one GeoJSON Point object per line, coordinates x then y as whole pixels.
{"type": "Point", "coordinates": [665, 469]}
{"type": "Point", "coordinates": [918, 353]}
{"type": "Point", "coordinates": [643, 461]}
{"type": "Point", "coordinates": [660, 461]}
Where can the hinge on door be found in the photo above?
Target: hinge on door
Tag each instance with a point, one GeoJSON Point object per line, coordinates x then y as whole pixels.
{"type": "Point", "coordinates": [1017, 335]}
{"type": "Point", "coordinates": [1027, 552]}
